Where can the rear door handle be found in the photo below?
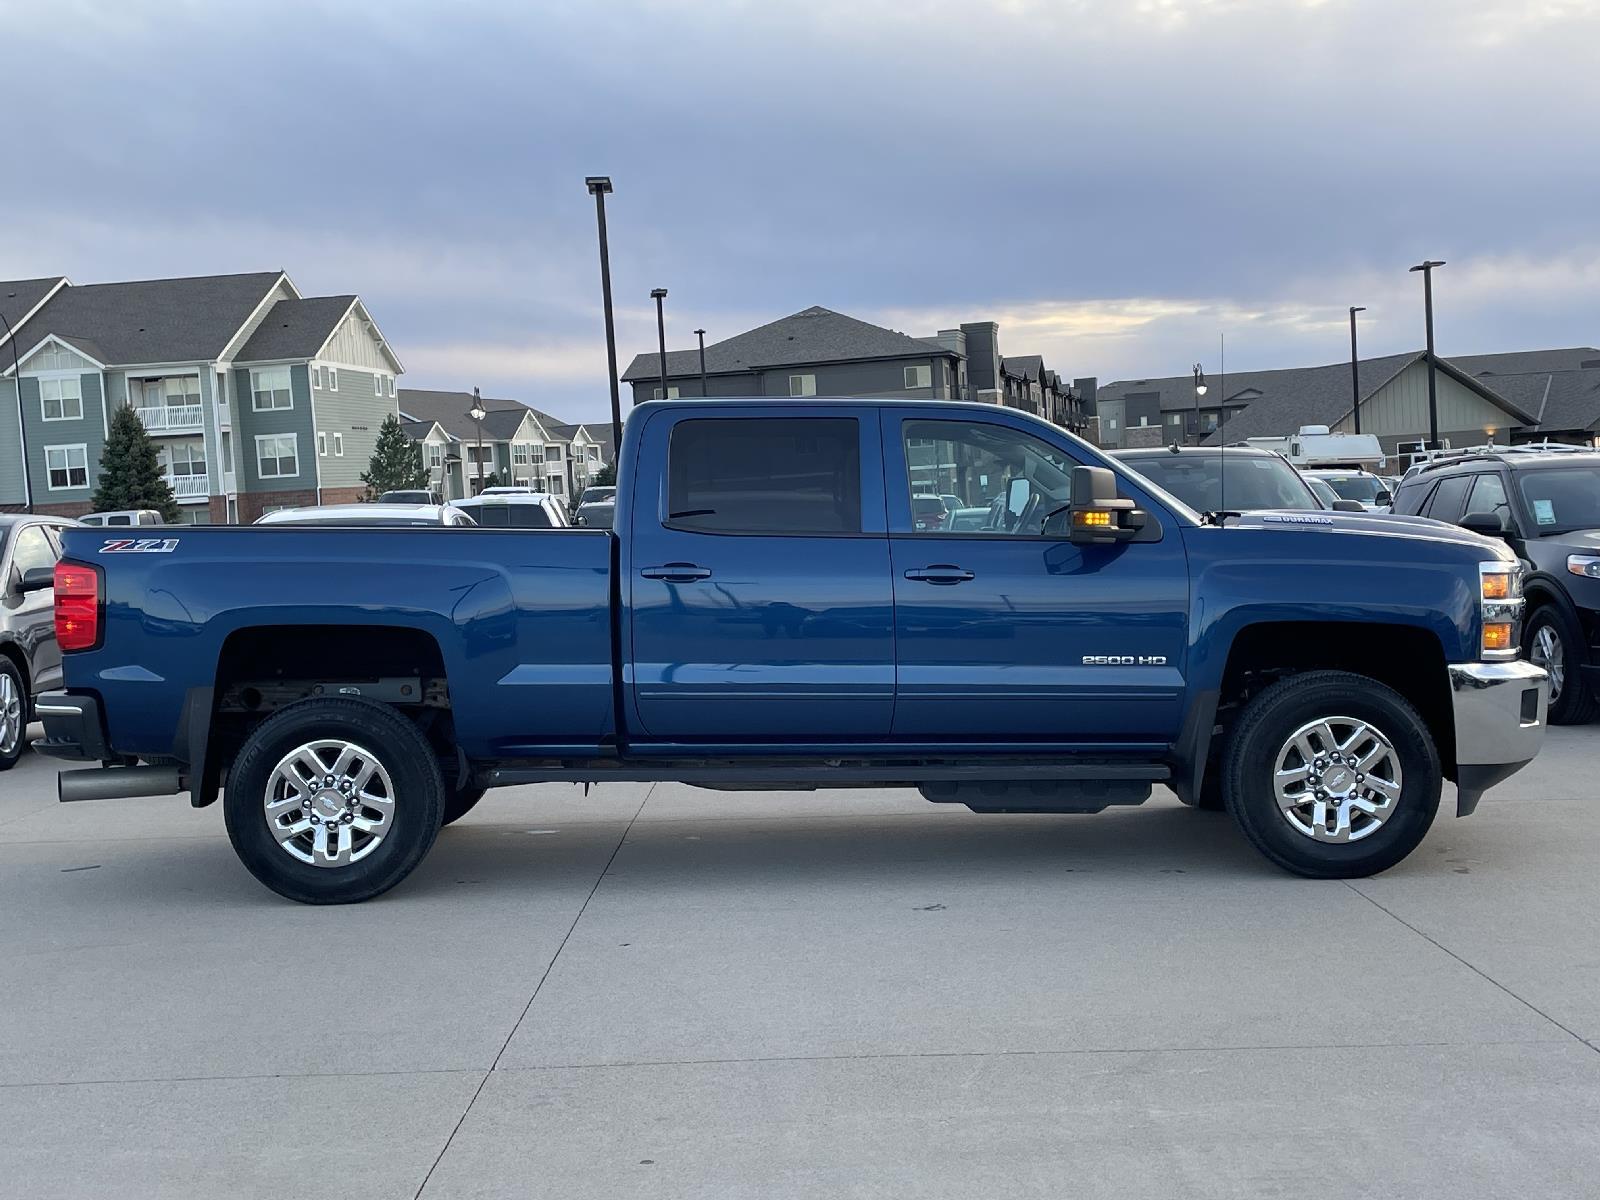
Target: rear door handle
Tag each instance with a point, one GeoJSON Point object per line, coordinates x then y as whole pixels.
{"type": "Point", "coordinates": [939, 573]}
{"type": "Point", "coordinates": [677, 572]}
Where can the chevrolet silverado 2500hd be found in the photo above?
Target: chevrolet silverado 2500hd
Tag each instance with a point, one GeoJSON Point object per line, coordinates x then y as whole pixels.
{"type": "Point", "coordinates": [768, 611]}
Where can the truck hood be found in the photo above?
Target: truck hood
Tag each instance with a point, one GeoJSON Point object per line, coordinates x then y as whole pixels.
{"type": "Point", "coordinates": [1376, 524]}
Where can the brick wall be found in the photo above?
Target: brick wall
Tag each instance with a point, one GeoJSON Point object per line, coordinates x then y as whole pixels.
{"type": "Point", "coordinates": [344, 495]}
{"type": "Point", "coordinates": [253, 505]}
{"type": "Point", "coordinates": [77, 508]}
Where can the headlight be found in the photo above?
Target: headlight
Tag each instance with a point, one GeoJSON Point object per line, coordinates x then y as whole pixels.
{"type": "Point", "coordinates": [1499, 608]}
{"type": "Point", "coordinates": [1583, 564]}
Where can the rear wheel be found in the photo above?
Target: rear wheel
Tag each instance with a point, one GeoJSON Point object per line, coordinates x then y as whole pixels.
{"type": "Point", "coordinates": [334, 800]}
{"type": "Point", "coordinates": [1332, 775]}
{"type": "Point", "coordinates": [13, 714]}
{"type": "Point", "coordinates": [1553, 642]}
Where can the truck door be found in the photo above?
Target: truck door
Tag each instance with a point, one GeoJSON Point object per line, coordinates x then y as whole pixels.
{"type": "Point", "coordinates": [757, 576]}
{"type": "Point", "coordinates": [1005, 634]}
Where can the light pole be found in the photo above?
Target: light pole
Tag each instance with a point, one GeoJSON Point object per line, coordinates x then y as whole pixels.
{"type": "Point", "coordinates": [659, 295]}
{"type": "Point", "coordinates": [1355, 375]}
{"type": "Point", "coordinates": [701, 334]}
{"type": "Point", "coordinates": [1427, 308]}
{"type": "Point", "coordinates": [599, 186]}
{"type": "Point", "coordinates": [1199, 390]}
{"type": "Point", "coordinates": [477, 413]}
{"type": "Point", "coordinates": [22, 427]}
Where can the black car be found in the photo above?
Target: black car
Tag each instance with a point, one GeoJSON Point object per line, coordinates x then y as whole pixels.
{"type": "Point", "coordinates": [29, 661]}
{"type": "Point", "coordinates": [1547, 506]}
{"type": "Point", "coordinates": [1208, 478]}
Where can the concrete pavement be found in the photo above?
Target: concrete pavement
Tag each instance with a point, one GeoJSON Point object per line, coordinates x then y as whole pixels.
{"type": "Point", "coordinates": [668, 992]}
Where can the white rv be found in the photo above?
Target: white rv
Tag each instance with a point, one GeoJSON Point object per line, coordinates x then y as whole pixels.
{"type": "Point", "coordinates": [1315, 446]}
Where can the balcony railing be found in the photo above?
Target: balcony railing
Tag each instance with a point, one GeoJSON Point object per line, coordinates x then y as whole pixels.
{"type": "Point", "coordinates": [188, 487]}
{"type": "Point", "coordinates": [172, 418]}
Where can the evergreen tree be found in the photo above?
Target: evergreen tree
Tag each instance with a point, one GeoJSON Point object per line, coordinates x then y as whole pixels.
{"type": "Point", "coordinates": [606, 476]}
{"type": "Point", "coordinates": [396, 461]}
{"type": "Point", "coordinates": [130, 471]}
{"type": "Point", "coordinates": [492, 479]}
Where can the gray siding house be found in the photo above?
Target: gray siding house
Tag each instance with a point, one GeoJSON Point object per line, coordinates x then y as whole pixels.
{"type": "Point", "coordinates": [237, 377]}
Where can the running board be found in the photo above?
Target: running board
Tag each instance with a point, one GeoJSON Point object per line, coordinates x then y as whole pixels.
{"type": "Point", "coordinates": [805, 775]}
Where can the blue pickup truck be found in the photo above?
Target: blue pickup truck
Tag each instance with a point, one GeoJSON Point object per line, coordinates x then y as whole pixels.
{"type": "Point", "coordinates": [768, 612]}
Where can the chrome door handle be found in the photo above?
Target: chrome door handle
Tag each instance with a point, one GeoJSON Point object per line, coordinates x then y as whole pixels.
{"type": "Point", "coordinates": [676, 572]}
{"type": "Point", "coordinates": [939, 573]}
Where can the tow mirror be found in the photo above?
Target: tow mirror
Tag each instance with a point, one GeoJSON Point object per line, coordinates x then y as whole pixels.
{"type": "Point", "coordinates": [1096, 513]}
{"type": "Point", "coordinates": [1489, 524]}
{"type": "Point", "coordinates": [1349, 506]}
{"type": "Point", "coordinates": [1018, 494]}
{"type": "Point", "coordinates": [36, 579]}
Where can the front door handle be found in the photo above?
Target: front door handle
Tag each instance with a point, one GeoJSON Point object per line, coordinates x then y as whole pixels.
{"type": "Point", "coordinates": [939, 573]}
{"type": "Point", "coordinates": [678, 572]}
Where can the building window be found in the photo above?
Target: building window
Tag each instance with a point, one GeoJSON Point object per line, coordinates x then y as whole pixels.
{"type": "Point", "coordinates": [552, 454]}
{"type": "Point", "coordinates": [185, 458]}
{"type": "Point", "coordinates": [802, 385]}
{"type": "Point", "coordinates": [519, 454]}
{"type": "Point", "coordinates": [338, 445]}
{"type": "Point", "coordinates": [554, 485]}
{"type": "Point", "coordinates": [672, 393]}
{"type": "Point", "coordinates": [61, 399]}
{"type": "Point", "coordinates": [919, 377]}
{"type": "Point", "coordinates": [435, 455]}
{"type": "Point", "coordinates": [390, 384]}
{"type": "Point", "coordinates": [377, 385]}
{"type": "Point", "coordinates": [322, 445]}
{"type": "Point", "coordinates": [67, 466]}
{"type": "Point", "coordinates": [333, 379]}
{"type": "Point", "coordinates": [275, 456]}
{"type": "Point", "coordinates": [592, 453]}
{"type": "Point", "coordinates": [316, 377]}
{"type": "Point", "coordinates": [269, 389]}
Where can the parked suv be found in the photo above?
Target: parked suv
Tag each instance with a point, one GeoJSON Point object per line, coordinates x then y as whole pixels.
{"type": "Point", "coordinates": [1243, 479]}
{"type": "Point", "coordinates": [29, 660]}
{"type": "Point", "coordinates": [1547, 506]}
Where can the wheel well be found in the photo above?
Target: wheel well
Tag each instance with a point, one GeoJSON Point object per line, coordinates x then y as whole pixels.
{"type": "Point", "coordinates": [1408, 659]}
{"type": "Point", "coordinates": [265, 668]}
{"type": "Point", "coordinates": [12, 651]}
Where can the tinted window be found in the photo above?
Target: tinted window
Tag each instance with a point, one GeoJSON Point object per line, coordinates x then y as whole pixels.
{"type": "Point", "coordinates": [511, 516]}
{"type": "Point", "coordinates": [976, 463]}
{"type": "Point", "coordinates": [1562, 500]}
{"type": "Point", "coordinates": [119, 520]}
{"type": "Point", "coordinates": [1411, 497]}
{"type": "Point", "coordinates": [1252, 481]}
{"type": "Point", "coordinates": [1489, 496]}
{"type": "Point", "coordinates": [1448, 498]}
{"type": "Point", "coordinates": [32, 549]}
{"type": "Point", "coordinates": [761, 475]}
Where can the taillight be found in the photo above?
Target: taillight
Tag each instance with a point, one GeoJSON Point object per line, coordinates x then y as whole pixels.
{"type": "Point", "coordinates": [77, 607]}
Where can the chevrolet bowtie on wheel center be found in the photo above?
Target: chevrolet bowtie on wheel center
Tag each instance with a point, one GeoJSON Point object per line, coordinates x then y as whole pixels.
{"type": "Point", "coordinates": [774, 608]}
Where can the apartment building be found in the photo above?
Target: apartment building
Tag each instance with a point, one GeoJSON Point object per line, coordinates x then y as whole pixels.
{"type": "Point", "coordinates": [257, 397]}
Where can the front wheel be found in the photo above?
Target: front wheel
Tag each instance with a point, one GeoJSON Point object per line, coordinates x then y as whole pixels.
{"type": "Point", "coordinates": [13, 714]}
{"type": "Point", "coordinates": [1332, 775]}
{"type": "Point", "coordinates": [334, 800]}
{"type": "Point", "coordinates": [1556, 644]}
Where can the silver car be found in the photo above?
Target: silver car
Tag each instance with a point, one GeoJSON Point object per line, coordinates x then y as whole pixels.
{"type": "Point", "coordinates": [30, 663]}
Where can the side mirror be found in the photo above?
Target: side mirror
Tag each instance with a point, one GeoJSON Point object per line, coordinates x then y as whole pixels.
{"type": "Point", "coordinates": [1096, 514]}
{"type": "Point", "coordinates": [1383, 497]}
{"type": "Point", "coordinates": [1349, 506]}
{"type": "Point", "coordinates": [1018, 494]}
{"type": "Point", "coordinates": [36, 579]}
{"type": "Point", "coordinates": [1489, 524]}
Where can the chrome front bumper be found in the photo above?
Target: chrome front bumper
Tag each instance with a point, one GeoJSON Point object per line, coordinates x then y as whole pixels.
{"type": "Point", "coordinates": [1499, 710]}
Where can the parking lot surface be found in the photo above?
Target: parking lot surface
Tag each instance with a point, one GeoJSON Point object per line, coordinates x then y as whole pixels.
{"type": "Point", "coordinates": [659, 991]}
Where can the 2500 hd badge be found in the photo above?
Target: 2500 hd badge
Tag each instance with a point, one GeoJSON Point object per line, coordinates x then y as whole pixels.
{"type": "Point", "coordinates": [1124, 660]}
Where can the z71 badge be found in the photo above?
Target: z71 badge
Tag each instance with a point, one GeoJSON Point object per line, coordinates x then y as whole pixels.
{"type": "Point", "coordinates": [140, 546]}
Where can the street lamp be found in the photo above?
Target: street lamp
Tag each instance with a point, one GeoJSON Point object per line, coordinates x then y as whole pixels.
{"type": "Point", "coordinates": [477, 413]}
{"type": "Point", "coordinates": [599, 186]}
{"type": "Point", "coordinates": [1199, 390]}
{"type": "Point", "coordinates": [1355, 376]}
{"type": "Point", "coordinates": [1427, 308]}
{"type": "Point", "coordinates": [22, 426]}
{"type": "Point", "coordinates": [701, 334]}
{"type": "Point", "coordinates": [659, 295]}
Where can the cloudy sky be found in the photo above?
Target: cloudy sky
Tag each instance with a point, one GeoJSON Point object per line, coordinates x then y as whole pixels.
{"type": "Point", "coordinates": [1116, 181]}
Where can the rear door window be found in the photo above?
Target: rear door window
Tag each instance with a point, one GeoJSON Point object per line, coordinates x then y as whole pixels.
{"type": "Point", "coordinates": [751, 475]}
{"type": "Point", "coordinates": [1448, 498]}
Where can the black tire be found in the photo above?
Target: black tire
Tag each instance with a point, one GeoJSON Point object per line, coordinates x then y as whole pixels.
{"type": "Point", "coordinates": [1575, 704]}
{"type": "Point", "coordinates": [18, 689]}
{"type": "Point", "coordinates": [1263, 730]}
{"type": "Point", "coordinates": [460, 802]}
{"type": "Point", "coordinates": [418, 810]}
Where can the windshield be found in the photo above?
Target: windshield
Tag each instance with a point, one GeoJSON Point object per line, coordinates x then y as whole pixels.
{"type": "Point", "coordinates": [511, 516]}
{"type": "Point", "coordinates": [1364, 488]}
{"type": "Point", "coordinates": [1562, 500]}
{"type": "Point", "coordinates": [1252, 481]}
{"type": "Point", "coordinates": [1324, 493]}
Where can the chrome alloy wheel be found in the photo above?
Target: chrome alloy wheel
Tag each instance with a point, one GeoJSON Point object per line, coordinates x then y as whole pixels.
{"type": "Point", "coordinates": [11, 716]}
{"type": "Point", "coordinates": [329, 803]}
{"type": "Point", "coordinates": [1337, 779]}
{"type": "Point", "coordinates": [1546, 652]}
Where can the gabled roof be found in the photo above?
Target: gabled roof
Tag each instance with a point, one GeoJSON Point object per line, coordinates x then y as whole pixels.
{"type": "Point", "coordinates": [156, 320]}
{"type": "Point", "coordinates": [813, 335]}
{"type": "Point", "coordinates": [1522, 362]}
{"type": "Point", "coordinates": [449, 410]}
{"type": "Point", "coordinates": [295, 328]}
{"type": "Point", "coordinates": [21, 298]}
{"type": "Point", "coordinates": [1024, 366]}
